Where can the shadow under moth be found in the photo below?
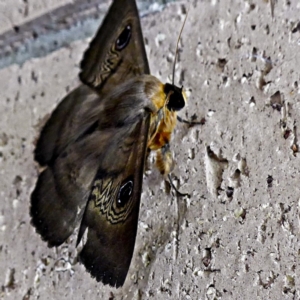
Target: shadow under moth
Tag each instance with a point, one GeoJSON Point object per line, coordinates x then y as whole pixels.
{"type": "Point", "coordinates": [94, 146]}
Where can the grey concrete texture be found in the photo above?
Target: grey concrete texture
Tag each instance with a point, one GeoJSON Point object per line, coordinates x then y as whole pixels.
{"type": "Point", "coordinates": [41, 30]}
{"type": "Point", "coordinates": [15, 12]}
{"type": "Point", "coordinates": [237, 235]}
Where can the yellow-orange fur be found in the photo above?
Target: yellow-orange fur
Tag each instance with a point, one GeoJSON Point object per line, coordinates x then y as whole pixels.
{"type": "Point", "coordinates": [161, 128]}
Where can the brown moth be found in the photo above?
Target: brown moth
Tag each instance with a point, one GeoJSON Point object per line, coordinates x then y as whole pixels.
{"type": "Point", "coordinates": [95, 144]}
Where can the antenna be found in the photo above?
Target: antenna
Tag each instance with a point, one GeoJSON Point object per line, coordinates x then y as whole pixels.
{"type": "Point", "coordinates": [176, 52]}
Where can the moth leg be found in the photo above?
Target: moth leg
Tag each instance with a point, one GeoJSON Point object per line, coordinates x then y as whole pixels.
{"type": "Point", "coordinates": [174, 187]}
{"type": "Point", "coordinates": [164, 160]}
{"type": "Point", "coordinates": [191, 122]}
{"type": "Point", "coordinates": [165, 164]}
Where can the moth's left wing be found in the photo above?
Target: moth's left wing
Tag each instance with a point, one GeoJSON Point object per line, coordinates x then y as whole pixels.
{"type": "Point", "coordinates": [111, 214]}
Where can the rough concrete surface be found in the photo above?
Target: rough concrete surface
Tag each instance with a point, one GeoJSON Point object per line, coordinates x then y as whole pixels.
{"type": "Point", "coordinates": [237, 235]}
{"type": "Point", "coordinates": [15, 12]}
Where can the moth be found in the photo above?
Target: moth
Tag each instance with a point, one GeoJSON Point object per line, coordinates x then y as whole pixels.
{"type": "Point", "coordinates": [94, 146]}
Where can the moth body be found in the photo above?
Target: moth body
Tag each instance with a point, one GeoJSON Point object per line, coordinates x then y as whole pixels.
{"type": "Point", "coordinates": [168, 101]}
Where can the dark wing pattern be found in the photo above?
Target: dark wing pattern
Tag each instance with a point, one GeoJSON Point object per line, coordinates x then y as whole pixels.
{"type": "Point", "coordinates": [117, 52]}
{"type": "Point", "coordinates": [74, 141]}
{"type": "Point", "coordinates": [111, 214]}
{"type": "Point", "coordinates": [55, 211]}
{"type": "Point", "coordinates": [98, 179]}
{"type": "Point", "coordinates": [105, 65]}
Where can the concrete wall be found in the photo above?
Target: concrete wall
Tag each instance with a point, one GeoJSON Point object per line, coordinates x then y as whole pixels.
{"type": "Point", "coordinates": [237, 235]}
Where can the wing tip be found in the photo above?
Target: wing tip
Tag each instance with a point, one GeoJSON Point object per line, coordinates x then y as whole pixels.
{"type": "Point", "coordinates": [101, 271]}
{"type": "Point", "coordinates": [43, 212]}
{"type": "Point", "coordinates": [42, 229]}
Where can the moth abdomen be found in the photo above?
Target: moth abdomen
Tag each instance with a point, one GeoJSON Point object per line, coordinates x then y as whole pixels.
{"type": "Point", "coordinates": [164, 160]}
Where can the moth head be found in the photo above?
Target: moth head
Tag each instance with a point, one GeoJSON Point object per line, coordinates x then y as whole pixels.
{"type": "Point", "coordinates": [175, 97]}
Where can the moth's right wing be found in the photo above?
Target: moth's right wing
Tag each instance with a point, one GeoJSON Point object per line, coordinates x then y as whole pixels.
{"type": "Point", "coordinates": [111, 214]}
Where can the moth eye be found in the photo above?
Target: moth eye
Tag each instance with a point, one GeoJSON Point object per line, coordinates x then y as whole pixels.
{"type": "Point", "coordinates": [176, 97]}
{"type": "Point", "coordinates": [125, 193]}
{"type": "Point", "coordinates": [123, 38]}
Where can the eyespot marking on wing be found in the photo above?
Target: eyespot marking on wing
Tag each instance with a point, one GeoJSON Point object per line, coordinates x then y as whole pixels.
{"type": "Point", "coordinates": [124, 38]}
{"type": "Point", "coordinates": [125, 193]}
{"type": "Point", "coordinates": [113, 199]}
